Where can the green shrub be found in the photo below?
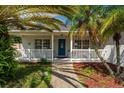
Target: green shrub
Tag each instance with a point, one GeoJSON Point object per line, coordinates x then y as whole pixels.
{"type": "Point", "coordinates": [7, 57]}
{"type": "Point", "coordinates": [44, 61]}
{"type": "Point", "coordinates": [88, 71]}
{"type": "Point", "coordinates": [16, 39]}
{"type": "Point", "coordinates": [31, 76]}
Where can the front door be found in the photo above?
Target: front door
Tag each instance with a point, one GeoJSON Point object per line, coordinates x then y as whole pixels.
{"type": "Point", "coordinates": [61, 47]}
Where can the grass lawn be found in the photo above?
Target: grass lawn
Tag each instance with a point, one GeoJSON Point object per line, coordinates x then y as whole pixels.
{"type": "Point", "coordinates": [32, 76]}
{"type": "Point", "coordinates": [95, 75]}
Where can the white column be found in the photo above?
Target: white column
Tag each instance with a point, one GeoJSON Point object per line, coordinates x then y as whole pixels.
{"type": "Point", "coordinates": [71, 43]}
{"type": "Point", "coordinates": [42, 50]}
{"type": "Point", "coordinates": [89, 54]}
{"type": "Point", "coordinates": [30, 54]}
{"type": "Point", "coordinates": [89, 51]}
{"type": "Point", "coordinates": [52, 38]}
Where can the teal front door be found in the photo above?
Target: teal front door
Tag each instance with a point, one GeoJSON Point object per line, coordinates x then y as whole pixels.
{"type": "Point", "coordinates": [61, 47]}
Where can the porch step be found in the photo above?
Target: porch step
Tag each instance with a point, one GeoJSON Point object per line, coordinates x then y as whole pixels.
{"type": "Point", "coordinates": [63, 60]}
{"type": "Point", "coordinates": [68, 60]}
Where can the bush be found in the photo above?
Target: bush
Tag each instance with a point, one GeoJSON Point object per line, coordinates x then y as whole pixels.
{"type": "Point", "coordinates": [7, 57]}
{"type": "Point", "coordinates": [44, 61]}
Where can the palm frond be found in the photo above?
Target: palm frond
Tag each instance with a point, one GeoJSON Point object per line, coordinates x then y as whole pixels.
{"type": "Point", "coordinates": [11, 14]}
{"type": "Point", "coordinates": [36, 26]}
{"type": "Point", "coordinates": [114, 21]}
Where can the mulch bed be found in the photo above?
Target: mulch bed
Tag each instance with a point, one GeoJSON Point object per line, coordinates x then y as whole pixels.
{"type": "Point", "coordinates": [95, 75]}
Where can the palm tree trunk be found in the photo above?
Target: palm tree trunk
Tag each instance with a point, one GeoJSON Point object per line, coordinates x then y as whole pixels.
{"type": "Point", "coordinates": [103, 61]}
{"type": "Point", "coordinates": [118, 56]}
{"type": "Point", "coordinates": [111, 72]}
{"type": "Point", "coordinates": [116, 38]}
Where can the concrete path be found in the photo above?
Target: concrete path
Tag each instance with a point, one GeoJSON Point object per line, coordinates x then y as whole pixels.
{"type": "Point", "coordinates": [63, 76]}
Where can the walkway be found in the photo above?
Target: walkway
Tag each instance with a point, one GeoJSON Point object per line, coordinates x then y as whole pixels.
{"type": "Point", "coordinates": [63, 76]}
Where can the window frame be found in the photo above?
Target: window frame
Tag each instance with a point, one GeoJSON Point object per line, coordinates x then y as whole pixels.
{"type": "Point", "coordinates": [43, 44]}
{"type": "Point", "coordinates": [79, 43]}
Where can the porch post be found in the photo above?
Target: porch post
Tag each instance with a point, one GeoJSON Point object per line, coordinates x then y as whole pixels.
{"type": "Point", "coordinates": [52, 46]}
{"type": "Point", "coordinates": [71, 42]}
{"type": "Point", "coordinates": [89, 54]}
{"type": "Point", "coordinates": [89, 51]}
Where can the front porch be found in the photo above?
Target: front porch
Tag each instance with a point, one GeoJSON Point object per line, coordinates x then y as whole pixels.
{"type": "Point", "coordinates": [55, 46]}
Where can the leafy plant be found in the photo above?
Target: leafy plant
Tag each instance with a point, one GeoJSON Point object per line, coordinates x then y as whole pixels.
{"type": "Point", "coordinates": [31, 76]}
{"type": "Point", "coordinates": [16, 39]}
{"type": "Point", "coordinates": [88, 71]}
{"type": "Point", "coordinates": [44, 61]}
{"type": "Point", "coordinates": [7, 57]}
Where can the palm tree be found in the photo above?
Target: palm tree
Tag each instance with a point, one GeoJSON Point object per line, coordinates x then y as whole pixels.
{"type": "Point", "coordinates": [89, 19]}
{"type": "Point", "coordinates": [112, 27]}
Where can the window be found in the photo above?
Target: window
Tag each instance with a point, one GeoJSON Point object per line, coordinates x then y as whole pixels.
{"type": "Point", "coordinates": [85, 44]}
{"type": "Point", "coordinates": [77, 44]}
{"type": "Point", "coordinates": [46, 44]}
{"type": "Point", "coordinates": [38, 44]}
{"type": "Point", "coordinates": [42, 44]}
{"type": "Point", "coordinates": [81, 44]}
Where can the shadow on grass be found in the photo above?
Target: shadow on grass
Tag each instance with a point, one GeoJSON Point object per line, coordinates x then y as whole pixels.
{"type": "Point", "coordinates": [34, 72]}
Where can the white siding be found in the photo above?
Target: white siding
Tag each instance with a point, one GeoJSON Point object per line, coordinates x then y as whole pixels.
{"type": "Point", "coordinates": [29, 41]}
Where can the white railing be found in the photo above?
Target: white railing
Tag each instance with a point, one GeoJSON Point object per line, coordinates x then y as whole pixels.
{"type": "Point", "coordinates": [85, 54]}
{"type": "Point", "coordinates": [35, 53]}
{"type": "Point", "coordinates": [77, 54]}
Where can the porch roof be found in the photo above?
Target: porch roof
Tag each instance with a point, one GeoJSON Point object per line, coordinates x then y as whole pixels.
{"type": "Point", "coordinates": [34, 32]}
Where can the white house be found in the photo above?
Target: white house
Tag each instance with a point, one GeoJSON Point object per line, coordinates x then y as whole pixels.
{"type": "Point", "coordinates": [59, 45]}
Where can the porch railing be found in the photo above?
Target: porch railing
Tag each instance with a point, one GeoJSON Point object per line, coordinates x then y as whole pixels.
{"type": "Point", "coordinates": [77, 54]}
{"type": "Point", "coordinates": [35, 53]}
{"type": "Point", "coordinates": [85, 54]}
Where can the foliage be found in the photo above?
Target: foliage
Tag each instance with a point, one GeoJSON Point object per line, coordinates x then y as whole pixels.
{"type": "Point", "coordinates": [88, 71]}
{"type": "Point", "coordinates": [88, 21]}
{"type": "Point", "coordinates": [44, 61]}
{"type": "Point", "coordinates": [33, 17]}
{"type": "Point", "coordinates": [7, 57]}
{"type": "Point", "coordinates": [113, 21]}
{"type": "Point", "coordinates": [31, 76]}
{"type": "Point", "coordinates": [16, 39]}
{"type": "Point", "coordinates": [112, 27]}
{"type": "Point", "coordinates": [100, 22]}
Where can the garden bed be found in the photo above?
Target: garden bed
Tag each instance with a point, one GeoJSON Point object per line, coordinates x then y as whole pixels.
{"type": "Point", "coordinates": [95, 75]}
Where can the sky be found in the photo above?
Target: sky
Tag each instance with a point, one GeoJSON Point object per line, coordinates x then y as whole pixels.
{"type": "Point", "coordinates": [64, 19]}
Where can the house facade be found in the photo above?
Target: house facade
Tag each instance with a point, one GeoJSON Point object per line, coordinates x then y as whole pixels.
{"type": "Point", "coordinates": [56, 45]}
